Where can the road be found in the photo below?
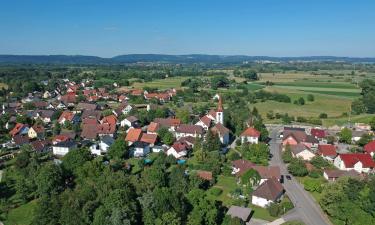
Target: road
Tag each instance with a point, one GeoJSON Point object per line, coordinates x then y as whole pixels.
{"type": "Point", "coordinates": [306, 209]}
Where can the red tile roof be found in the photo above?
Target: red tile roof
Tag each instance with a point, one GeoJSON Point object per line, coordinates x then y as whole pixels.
{"type": "Point", "coordinates": [38, 128]}
{"type": "Point", "coordinates": [168, 122]}
{"type": "Point", "coordinates": [369, 147]}
{"type": "Point", "coordinates": [319, 133]}
{"type": "Point", "coordinates": [111, 119]}
{"type": "Point", "coordinates": [180, 146]}
{"type": "Point", "coordinates": [67, 115]}
{"type": "Point", "coordinates": [327, 150]}
{"type": "Point", "coordinates": [206, 120]}
{"type": "Point", "coordinates": [351, 159]}
{"type": "Point", "coordinates": [251, 132]}
{"type": "Point", "coordinates": [133, 135]}
{"type": "Point", "coordinates": [89, 131]}
{"type": "Point", "coordinates": [205, 175]}
{"type": "Point", "coordinates": [153, 127]}
{"type": "Point", "coordinates": [220, 129]}
{"type": "Point", "coordinates": [243, 165]}
{"type": "Point", "coordinates": [149, 138]}
{"type": "Point", "coordinates": [60, 138]}
{"type": "Point", "coordinates": [17, 129]}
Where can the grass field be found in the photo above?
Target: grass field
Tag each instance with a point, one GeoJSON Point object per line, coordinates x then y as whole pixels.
{"type": "Point", "coordinates": [22, 215]}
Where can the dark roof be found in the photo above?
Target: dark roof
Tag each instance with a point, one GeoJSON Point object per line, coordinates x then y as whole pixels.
{"type": "Point", "coordinates": [190, 129]}
{"type": "Point", "coordinates": [20, 139]}
{"type": "Point", "coordinates": [298, 148]}
{"type": "Point", "coordinates": [66, 144]}
{"type": "Point", "coordinates": [341, 173]}
{"type": "Point", "coordinates": [271, 189]}
{"type": "Point", "coordinates": [239, 212]}
{"type": "Point", "coordinates": [108, 140]}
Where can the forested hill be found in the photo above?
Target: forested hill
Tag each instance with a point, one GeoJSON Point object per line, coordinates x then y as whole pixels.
{"type": "Point", "coordinates": [162, 58]}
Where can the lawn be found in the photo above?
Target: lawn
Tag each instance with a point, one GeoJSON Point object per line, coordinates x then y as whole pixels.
{"type": "Point", "coordinates": [227, 184]}
{"type": "Point", "coordinates": [22, 215]}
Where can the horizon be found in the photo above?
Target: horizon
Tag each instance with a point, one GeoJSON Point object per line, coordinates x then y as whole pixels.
{"type": "Point", "coordinates": [267, 28]}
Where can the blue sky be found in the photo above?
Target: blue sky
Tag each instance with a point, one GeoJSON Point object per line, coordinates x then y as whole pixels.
{"type": "Point", "coordinates": [113, 27]}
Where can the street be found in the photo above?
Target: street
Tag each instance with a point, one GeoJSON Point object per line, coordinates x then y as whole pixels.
{"type": "Point", "coordinates": [306, 209]}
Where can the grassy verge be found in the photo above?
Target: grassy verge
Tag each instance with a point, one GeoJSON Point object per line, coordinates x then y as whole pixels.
{"type": "Point", "coordinates": [22, 215]}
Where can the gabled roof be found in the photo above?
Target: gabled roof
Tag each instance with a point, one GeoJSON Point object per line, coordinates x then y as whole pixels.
{"type": "Point", "coordinates": [149, 138]}
{"type": "Point", "coordinates": [206, 120]}
{"type": "Point", "coordinates": [239, 212]}
{"type": "Point", "coordinates": [133, 135]}
{"type": "Point", "coordinates": [205, 175]}
{"type": "Point", "coordinates": [268, 172]}
{"type": "Point", "coordinates": [243, 165]}
{"type": "Point", "coordinates": [67, 115]}
{"type": "Point", "coordinates": [180, 146]}
{"type": "Point", "coordinates": [20, 139]}
{"type": "Point", "coordinates": [350, 159]}
{"type": "Point", "coordinates": [319, 133]}
{"type": "Point", "coordinates": [89, 131]}
{"type": "Point", "coordinates": [168, 122]}
{"type": "Point", "coordinates": [250, 132]}
{"type": "Point", "coordinates": [333, 173]}
{"type": "Point", "coordinates": [153, 127]}
{"type": "Point", "coordinates": [86, 106]}
{"type": "Point", "coordinates": [108, 140]}
{"type": "Point", "coordinates": [298, 148]}
{"type": "Point", "coordinates": [271, 189]}
{"type": "Point", "coordinates": [369, 147]}
{"type": "Point", "coordinates": [38, 128]}
{"type": "Point", "coordinates": [91, 114]}
{"type": "Point", "coordinates": [190, 129]}
{"type": "Point", "coordinates": [111, 119]}
{"type": "Point", "coordinates": [131, 119]}
{"type": "Point", "coordinates": [18, 128]}
{"type": "Point", "coordinates": [40, 145]}
{"type": "Point", "coordinates": [327, 150]}
{"type": "Point", "coordinates": [220, 129]}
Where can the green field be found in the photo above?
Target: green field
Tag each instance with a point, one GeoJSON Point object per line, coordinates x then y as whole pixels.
{"type": "Point", "coordinates": [22, 215]}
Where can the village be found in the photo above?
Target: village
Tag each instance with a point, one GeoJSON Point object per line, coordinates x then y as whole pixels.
{"type": "Point", "coordinates": [78, 115]}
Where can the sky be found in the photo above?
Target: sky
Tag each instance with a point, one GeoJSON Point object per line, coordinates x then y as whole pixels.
{"type": "Point", "coordinates": [108, 28]}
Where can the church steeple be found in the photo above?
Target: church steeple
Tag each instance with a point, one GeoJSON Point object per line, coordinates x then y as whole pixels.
{"type": "Point", "coordinates": [220, 112]}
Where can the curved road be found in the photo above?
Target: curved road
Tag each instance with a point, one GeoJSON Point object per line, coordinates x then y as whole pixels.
{"type": "Point", "coordinates": [306, 209]}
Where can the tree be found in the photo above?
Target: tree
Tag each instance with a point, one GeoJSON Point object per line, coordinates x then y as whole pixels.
{"type": "Point", "coordinates": [256, 153]}
{"type": "Point", "coordinates": [250, 177]}
{"type": "Point", "coordinates": [212, 142]}
{"type": "Point", "coordinates": [168, 218]}
{"type": "Point", "coordinates": [301, 101]}
{"type": "Point", "coordinates": [56, 128]}
{"type": "Point", "coordinates": [166, 136]}
{"type": "Point", "coordinates": [312, 185]}
{"type": "Point", "coordinates": [297, 167]}
{"type": "Point", "coordinates": [119, 149]}
{"type": "Point", "coordinates": [310, 98]}
{"type": "Point", "coordinates": [183, 115]}
{"type": "Point", "coordinates": [75, 159]}
{"type": "Point", "coordinates": [49, 180]}
{"type": "Point", "coordinates": [323, 116]}
{"type": "Point", "coordinates": [287, 154]}
{"type": "Point", "coordinates": [366, 138]}
{"type": "Point", "coordinates": [319, 162]}
{"type": "Point", "coordinates": [358, 107]}
{"type": "Point", "coordinates": [345, 135]}
{"type": "Point", "coordinates": [250, 75]}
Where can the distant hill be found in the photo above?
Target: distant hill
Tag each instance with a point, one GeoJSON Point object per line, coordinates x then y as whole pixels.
{"type": "Point", "coordinates": [162, 58]}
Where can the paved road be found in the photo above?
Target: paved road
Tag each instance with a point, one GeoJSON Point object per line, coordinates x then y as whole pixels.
{"type": "Point", "coordinates": [306, 209]}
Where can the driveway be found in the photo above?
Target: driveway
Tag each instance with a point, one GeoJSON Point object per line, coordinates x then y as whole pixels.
{"type": "Point", "coordinates": [306, 209]}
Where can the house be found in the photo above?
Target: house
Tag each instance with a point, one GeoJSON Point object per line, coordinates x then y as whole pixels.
{"type": "Point", "coordinates": [130, 121]}
{"type": "Point", "coordinates": [82, 106]}
{"type": "Point", "coordinates": [104, 129]}
{"type": "Point", "coordinates": [294, 137]}
{"type": "Point", "coordinates": [89, 131]}
{"type": "Point", "coordinates": [153, 128]}
{"type": "Point", "coordinates": [327, 151]}
{"type": "Point", "coordinates": [133, 135]}
{"type": "Point", "coordinates": [240, 166]}
{"type": "Point", "coordinates": [250, 135]}
{"type": "Point", "coordinates": [67, 116]}
{"type": "Point", "coordinates": [222, 132]}
{"type": "Point", "coordinates": [36, 131]}
{"type": "Point", "coordinates": [40, 145]}
{"type": "Point", "coordinates": [362, 163]}
{"type": "Point", "coordinates": [204, 122]}
{"type": "Point", "coordinates": [122, 109]}
{"type": "Point", "coordinates": [149, 138]}
{"type": "Point", "coordinates": [40, 104]}
{"type": "Point", "coordinates": [178, 149]}
{"type": "Point", "coordinates": [97, 114]}
{"type": "Point", "coordinates": [189, 130]}
{"type": "Point", "coordinates": [319, 134]}
{"type": "Point", "coordinates": [268, 172]}
{"type": "Point", "coordinates": [370, 148]}
{"type": "Point", "coordinates": [44, 115]}
{"type": "Point", "coordinates": [20, 140]}
{"type": "Point", "coordinates": [242, 213]}
{"type": "Point", "coordinates": [60, 138]}
{"type": "Point", "coordinates": [19, 128]}
{"type": "Point", "coordinates": [69, 99]}
{"type": "Point", "coordinates": [268, 192]}
{"type": "Point", "coordinates": [357, 134]}
{"type": "Point", "coordinates": [169, 123]}
{"type": "Point", "coordinates": [62, 148]}
{"type": "Point", "coordinates": [140, 149]}
{"type": "Point", "coordinates": [102, 146]}
{"type": "Point", "coordinates": [190, 141]}
{"type": "Point", "coordinates": [333, 175]}
{"type": "Point", "coordinates": [47, 94]}
{"type": "Point", "coordinates": [205, 175]}
{"type": "Point", "coordinates": [301, 151]}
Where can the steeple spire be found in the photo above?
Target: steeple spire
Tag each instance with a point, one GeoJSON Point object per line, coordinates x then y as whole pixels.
{"type": "Point", "coordinates": [220, 105]}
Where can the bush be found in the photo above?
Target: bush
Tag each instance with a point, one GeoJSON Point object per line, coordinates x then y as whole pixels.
{"type": "Point", "coordinates": [315, 173]}
{"type": "Point", "coordinates": [310, 98]}
{"type": "Point", "coordinates": [323, 116]}
{"type": "Point", "coordinates": [274, 210]}
{"type": "Point", "coordinates": [216, 191]}
{"type": "Point", "coordinates": [287, 205]}
{"type": "Point", "coordinates": [312, 185]}
{"type": "Point", "coordinates": [297, 168]}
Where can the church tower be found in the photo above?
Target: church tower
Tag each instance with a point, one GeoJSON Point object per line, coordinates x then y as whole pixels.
{"type": "Point", "coordinates": [220, 112]}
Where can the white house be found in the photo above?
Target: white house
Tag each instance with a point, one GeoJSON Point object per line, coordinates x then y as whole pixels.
{"type": "Point", "coordinates": [250, 135]}
{"type": "Point", "coordinates": [268, 192]}
{"type": "Point", "coordinates": [178, 150]}
{"type": "Point", "coordinates": [185, 130]}
{"type": "Point", "coordinates": [62, 148]}
{"type": "Point", "coordinates": [302, 151]}
{"type": "Point", "coordinates": [140, 149]}
{"type": "Point", "coordinates": [362, 163]}
{"type": "Point", "coordinates": [130, 121]}
{"type": "Point", "coordinates": [103, 146]}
